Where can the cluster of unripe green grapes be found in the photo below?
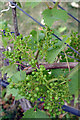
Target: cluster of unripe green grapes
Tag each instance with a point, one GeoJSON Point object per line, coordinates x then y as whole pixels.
{"type": "Point", "coordinates": [39, 83]}
{"type": "Point", "coordinates": [75, 43]}
{"type": "Point", "coordinates": [24, 49]}
{"type": "Point", "coordinates": [19, 49]}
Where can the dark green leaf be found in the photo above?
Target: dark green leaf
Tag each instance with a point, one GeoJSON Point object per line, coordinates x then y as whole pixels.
{"type": "Point", "coordinates": [18, 76]}
{"type": "Point", "coordinates": [52, 15]}
{"type": "Point", "coordinates": [74, 84]}
{"type": "Point", "coordinates": [53, 52]}
{"type": "Point", "coordinates": [32, 39]}
{"type": "Point", "coordinates": [36, 36]}
{"type": "Point", "coordinates": [35, 114]}
{"type": "Point", "coordinates": [10, 70]}
{"type": "Point", "coordinates": [58, 72]}
{"type": "Point", "coordinates": [14, 92]}
{"type": "Point", "coordinates": [41, 36]}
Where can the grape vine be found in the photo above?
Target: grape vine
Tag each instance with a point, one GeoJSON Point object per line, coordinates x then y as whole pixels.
{"type": "Point", "coordinates": [39, 84]}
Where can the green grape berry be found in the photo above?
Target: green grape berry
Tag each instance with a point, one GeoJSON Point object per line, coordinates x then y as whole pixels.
{"type": "Point", "coordinates": [51, 84]}
{"type": "Point", "coordinates": [32, 99]}
{"type": "Point", "coordinates": [35, 95]}
{"type": "Point", "coordinates": [41, 99]}
{"type": "Point", "coordinates": [37, 88]}
{"type": "Point", "coordinates": [29, 84]}
{"type": "Point", "coordinates": [11, 86]}
{"type": "Point", "coordinates": [9, 80]}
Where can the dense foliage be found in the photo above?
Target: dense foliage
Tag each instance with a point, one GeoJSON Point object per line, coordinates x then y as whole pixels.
{"type": "Point", "coordinates": [32, 81]}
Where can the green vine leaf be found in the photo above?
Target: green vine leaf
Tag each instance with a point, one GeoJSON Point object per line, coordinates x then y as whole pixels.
{"type": "Point", "coordinates": [74, 84]}
{"type": "Point", "coordinates": [35, 114]}
{"type": "Point", "coordinates": [10, 70]}
{"type": "Point", "coordinates": [58, 72]}
{"type": "Point", "coordinates": [18, 76]}
{"type": "Point", "coordinates": [36, 36]}
{"type": "Point", "coordinates": [14, 92]}
{"type": "Point", "coordinates": [52, 15]}
{"type": "Point", "coordinates": [53, 52]}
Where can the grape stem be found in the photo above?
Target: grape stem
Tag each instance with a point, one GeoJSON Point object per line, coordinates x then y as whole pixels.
{"type": "Point", "coordinates": [56, 5]}
{"type": "Point", "coordinates": [52, 80]}
{"type": "Point", "coordinates": [62, 83]}
{"type": "Point", "coordinates": [48, 5]}
{"type": "Point", "coordinates": [12, 36]}
{"type": "Point", "coordinates": [20, 64]}
{"type": "Point", "coordinates": [67, 61]}
{"type": "Point", "coordinates": [50, 88]}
